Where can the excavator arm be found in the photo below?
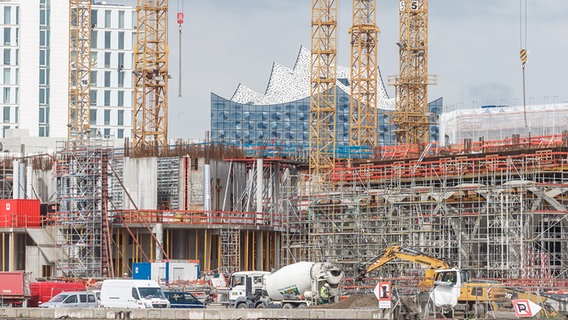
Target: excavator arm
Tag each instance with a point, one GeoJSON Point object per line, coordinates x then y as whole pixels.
{"type": "Point", "coordinates": [405, 254]}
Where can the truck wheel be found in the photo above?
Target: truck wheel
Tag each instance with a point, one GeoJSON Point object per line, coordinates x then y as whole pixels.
{"type": "Point", "coordinates": [241, 306]}
{"type": "Point", "coordinates": [478, 309]}
{"type": "Point", "coordinates": [287, 306]}
{"type": "Point", "coordinates": [302, 306]}
{"type": "Point", "coordinates": [260, 306]}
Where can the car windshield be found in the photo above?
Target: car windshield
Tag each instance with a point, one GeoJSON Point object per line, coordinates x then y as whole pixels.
{"type": "Point", "coordinates": [149, 293]}
{"type": "Point", "coordinates": [59, 298]}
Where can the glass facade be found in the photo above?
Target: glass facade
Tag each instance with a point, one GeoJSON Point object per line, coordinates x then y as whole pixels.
{"type": "Point", "coordinates": [288, 123]}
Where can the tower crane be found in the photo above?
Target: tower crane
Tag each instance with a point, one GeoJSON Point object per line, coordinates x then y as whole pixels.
{"type": "Point", "coordinates": [411, 97]}
{"type": "Point", "coordinates": [323, 89]}
{"type": "Point", "coordinates": [150, 128]}
{"type": "Point", "coordinates": [79, 71]}
{"type": "Point", "coordinates": [364, 74]}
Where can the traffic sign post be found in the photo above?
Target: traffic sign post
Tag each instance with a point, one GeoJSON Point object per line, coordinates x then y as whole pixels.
{"type": "Point", "coordinates": [383, 293]}
{"type": "Point", "coordinates": [525, 308]}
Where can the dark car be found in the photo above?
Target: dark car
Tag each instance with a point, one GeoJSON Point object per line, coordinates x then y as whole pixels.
{"type": "Point", "coordinates": [183, 300]}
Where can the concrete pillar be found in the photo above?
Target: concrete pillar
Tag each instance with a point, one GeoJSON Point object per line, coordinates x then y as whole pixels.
{"type": "Point", "coordinates": [15, 179]}
{"type": "Point", "coordinates": [158, 231]}
{"type": "Point", "coordinates": [259, 188]}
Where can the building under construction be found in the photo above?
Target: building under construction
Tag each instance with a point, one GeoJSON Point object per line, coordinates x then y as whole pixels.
{"type": "Point", "coordinates": [496, 207]}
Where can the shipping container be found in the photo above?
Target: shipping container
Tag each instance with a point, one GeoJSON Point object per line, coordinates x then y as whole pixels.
{"type": "Point", "coordinates": [167, 272]}
{"type": "Point", "coordinates": [20, 213]}
{"type": "Point", "coordinates": [14, 288]}
{"type": "Point", "coordinates": [42, 291]}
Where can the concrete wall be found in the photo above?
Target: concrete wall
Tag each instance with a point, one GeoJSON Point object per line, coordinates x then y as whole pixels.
{"type": "Point", "coordinates": [213, 314]}
{"type": "Point", "coordinates": [140, 179]}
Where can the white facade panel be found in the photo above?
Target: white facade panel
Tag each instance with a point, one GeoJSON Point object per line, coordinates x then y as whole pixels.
{"type": "Point", "coordinates": [29, 66]}
{"type": "Point", "coordinates": [59, 104]}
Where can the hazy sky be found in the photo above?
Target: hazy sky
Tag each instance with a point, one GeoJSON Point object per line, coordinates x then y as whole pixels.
{"type": "Point", "coordinates": [474, 50]}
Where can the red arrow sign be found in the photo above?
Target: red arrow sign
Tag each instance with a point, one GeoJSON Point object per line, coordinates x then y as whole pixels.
{"type": "Point", "coordinates": [180, 17]}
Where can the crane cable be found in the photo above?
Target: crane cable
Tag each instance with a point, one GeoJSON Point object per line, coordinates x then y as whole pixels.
{"type": "Point", "coordinates": [523, 51]}
{"type": "Point", "coordinates": [180, 19]}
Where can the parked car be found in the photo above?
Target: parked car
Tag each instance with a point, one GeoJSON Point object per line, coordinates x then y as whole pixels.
{"type": "Point", "coordinates": [77, 299]}
{"type": "Point", "coordinates": [128, 293]}
{"type": "Point", "coordinates": [183, 300]}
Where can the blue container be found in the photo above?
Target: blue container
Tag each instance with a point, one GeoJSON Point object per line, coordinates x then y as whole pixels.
{"type": "Point", "coordinates": [142, 271]}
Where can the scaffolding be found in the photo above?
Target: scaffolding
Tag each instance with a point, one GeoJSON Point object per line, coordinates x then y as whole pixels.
{"type": "Point", "coordinates": [502, 216]}
{"type": "Point", "coordinates": [82, 193]}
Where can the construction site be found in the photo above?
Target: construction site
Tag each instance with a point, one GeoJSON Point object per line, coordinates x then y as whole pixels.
{"type": "Point", "coordinates": [497, 208]}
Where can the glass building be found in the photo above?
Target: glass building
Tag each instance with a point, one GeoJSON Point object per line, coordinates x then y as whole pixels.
{"type": "Point", "coordinates": [281, 115]}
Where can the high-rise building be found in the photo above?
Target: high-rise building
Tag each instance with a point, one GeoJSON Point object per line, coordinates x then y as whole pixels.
{"type": "Point", "coordinates": [35, 67]}
{"type": "Point", "coordinates": [112, 40]}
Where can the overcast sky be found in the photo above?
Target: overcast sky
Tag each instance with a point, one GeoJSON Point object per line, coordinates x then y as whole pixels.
{"type": "Point", "coordinates": [474, 50]}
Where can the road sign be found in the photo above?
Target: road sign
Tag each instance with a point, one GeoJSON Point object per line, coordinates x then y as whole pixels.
{"type": "Point", "coordinates": [383, 293]}
{"type": "Point", "coordinates": [180, 17]}
{"type": "Point", "coordinates": [525, 308]}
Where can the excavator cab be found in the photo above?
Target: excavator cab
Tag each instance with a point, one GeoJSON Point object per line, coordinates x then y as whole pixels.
{"type": "Point", "coordinates": [451, 277]}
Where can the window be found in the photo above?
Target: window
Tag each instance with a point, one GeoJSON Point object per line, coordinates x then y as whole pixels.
{"type": "Point", "coordinates": [121, 19]}
{"type": "Point", "coordinates": [42, 99]}
{"type": "Point", "coordinates": [107, 39]}
{"type": "Point", "coordinates": [93, 116]}
{"type": "Point", "coordinates": [94, 17]}
{"type": "Point", "coordinates": [93, 78]}
{"type": "Point", "coordinates": [93, 97]}
{"type": "Point", "coordinates": [121, 40]}
{"type": "Point", "coordinates": [107, 18]}
{"type": "Point", "coordinates": [7, 15]}
{"type": "Point", "coordinates": [107, 79]}
{"type": "Point", "coordinates": [107, 98]}
{"type": "Point", "coordinates": [42, 57]}
{"type": "Point", "coordinates": [91, 298]}
{"type": "Point", "coordinates": [135, 294]}
{"type": "Point", "coordinates": [120, 117]}
{"type": "Point", "coordinates": [120, 99]}
{"type": "Point", "coordinates": [120, 61]}
{"type": "Point", "coordinates": [121, 79]}
{"type": "Point", "coordinates": [120, 134]}
{"type": "Point", "coordinates": [6, 56]}
{"type": "Point", "coordinates": [46, 271]}
{"type": "Point", "coordinates": [83, 297]}
{"type": "Point", "coordinates": [42, 115]}
{"type": "Point", "coordinates": [6, 76]}
{"type": "Point", "coordinates": [106, 133]}
{"type": "Point", "coordinates": [42, 38]}
{"type": "Point", "coordinates": [107, 59]}
{"type": "Point", "coordinates": [42, 76]}
{"type": "Point", "coordinates": [7, 36]}
{"type": "Point", "coordinates": [107, 117]}
{"type": "Point", "coordinates": [6, 95]}
{"type": "Point", "coordinates": [94, 39]}
{"type": "Point", "coordinates": [71, 299]}
{"type": "Point", "coordinates": [6, 114]}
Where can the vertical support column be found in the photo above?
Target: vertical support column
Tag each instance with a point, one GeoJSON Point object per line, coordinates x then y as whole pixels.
{"type": "Point", "coordinates": [158, 231]}
{"type": "Point", "coordinates": [259, 189]}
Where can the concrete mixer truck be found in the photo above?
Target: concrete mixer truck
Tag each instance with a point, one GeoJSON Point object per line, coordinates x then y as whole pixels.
{"type": "Point", "coordinates": [296, 285]}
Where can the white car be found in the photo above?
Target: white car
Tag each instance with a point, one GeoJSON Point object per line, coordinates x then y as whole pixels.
{"type": "Point", "coordinates": [78, 299]}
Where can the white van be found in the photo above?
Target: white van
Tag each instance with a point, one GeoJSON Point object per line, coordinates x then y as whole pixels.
{"type": "Point", "coordinates": [127, 293]}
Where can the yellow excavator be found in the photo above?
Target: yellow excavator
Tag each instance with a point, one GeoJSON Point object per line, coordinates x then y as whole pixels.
{"type": "Point", "coordinates": [476, 296]}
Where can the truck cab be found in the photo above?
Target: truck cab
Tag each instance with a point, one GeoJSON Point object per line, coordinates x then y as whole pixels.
{"type": "Point", "coordinates": [244, 286]}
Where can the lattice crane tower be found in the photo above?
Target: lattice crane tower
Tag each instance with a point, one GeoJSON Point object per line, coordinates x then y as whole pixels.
{"type": "Point", "coordinates": [150, 129]}
{"type": "Point", "coordinates": [364, 74]}
{"type": "Point", "coordinates": [323, 87]}
{"type": "Point", "coordinates": [411, 107]}
{"type": "Point", "coordinates": [79, 71]}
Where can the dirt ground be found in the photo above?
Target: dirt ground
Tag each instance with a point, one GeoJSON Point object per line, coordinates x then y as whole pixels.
{"type": "Point", "coordinates": [358, 301]}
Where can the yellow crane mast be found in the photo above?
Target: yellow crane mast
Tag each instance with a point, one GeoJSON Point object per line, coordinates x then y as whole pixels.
{"type": "Point", "coordinates": [150, 128]}
{"type": "Point", "coordinates": [364, 74]}
{"type": "Point", "coordinates": [411, 94]}
{"type": "Point", "coordinates": [323, 88]}
{"type": "Point", "coordinates": [78, 132]}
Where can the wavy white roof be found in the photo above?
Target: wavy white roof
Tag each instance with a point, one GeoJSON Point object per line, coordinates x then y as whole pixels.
{"type": "Point", "coordinates": [286, 85]}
